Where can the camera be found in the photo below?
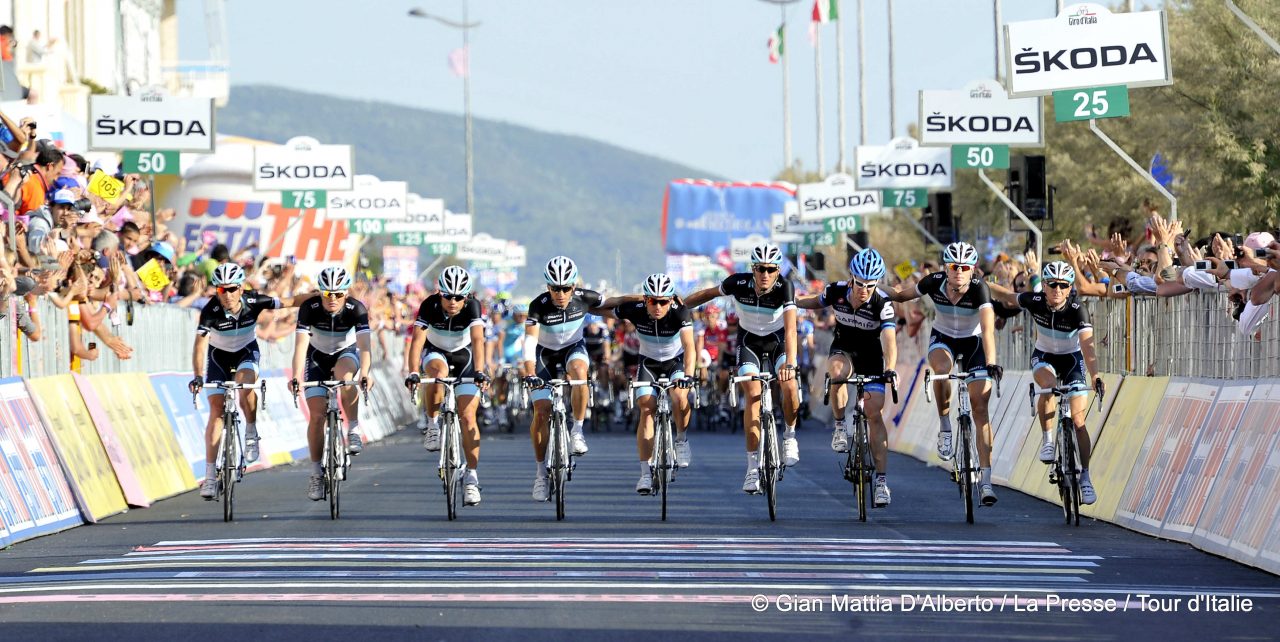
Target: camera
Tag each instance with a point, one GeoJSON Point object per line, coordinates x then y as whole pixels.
{"type": "Point", "coordinates": [1118, 288]}
{"type": "Point", "coordinates": [1262, 253]}
{"type": "Point", "coordinates": [83, 205]}
{"type": "Point", "coordinates": [1203, 265]}
{"type": "Point", "coordinates": [1231, 264]}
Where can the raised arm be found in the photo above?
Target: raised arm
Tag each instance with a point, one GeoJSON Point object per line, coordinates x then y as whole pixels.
{"type": "Point", "coordinates": [810, 302]}
{"type": "Point", "coordinates": [701, 296]}
{"type": "Point", "coordinates": [1004, 295]}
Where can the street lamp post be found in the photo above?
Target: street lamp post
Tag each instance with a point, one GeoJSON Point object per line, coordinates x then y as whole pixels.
{"type": "Point", "coordinates": [465, 26]}
{"type": "Point", "coordinates": [786, 86]}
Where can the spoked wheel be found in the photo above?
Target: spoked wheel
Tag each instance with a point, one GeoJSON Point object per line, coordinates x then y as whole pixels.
{"type": "Point", "coordinates": [559, 463]}
{"type": "Point", "coordinates": [663, 468]}
{"type": "Point", "coordinates": [1069, 480]}
{"type": "Point", "coordinates": [861, 483]}
{"type": "Point", "coordinates": [964, 461]}
{"type": "Point", "coordinates": [230, 466]}
{"type": "Point", "coordinates": [334, 468]}
{"type": "Point", "coordinates": [769, 478]}
{"type": "Point", "coordinates": [448, 467]}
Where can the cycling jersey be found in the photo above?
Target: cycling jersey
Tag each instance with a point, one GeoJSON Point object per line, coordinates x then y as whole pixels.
{"type": "Point", "coordinates": [716, 336]}
{"type": "Point", "coordinates": [861, 325]}
{"type": "Point", "coordinates": [234, 332]}
{"type": "Point", "coordinates": [659, 338]}
{"type": "Point", "coordinates": [561, 327]}
{"type": "Point", "coordinates": [1057, 331]}
{"type": "Point", "coordinates": [444, 332]}
{"type": "Point", "coordinates": [759, 314]}
{"type": "Point", "coordinates": [331, 333]}
{"type": "Point", "coordinates": [960, 319]}
{"type": "Point", "coordinates": [595, 332]}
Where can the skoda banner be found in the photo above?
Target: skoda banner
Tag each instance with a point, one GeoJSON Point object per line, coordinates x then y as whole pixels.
{"type": "Point", "coordinates": [483, 247]}
{"type": "Point", "coordinates": [457, 229]}
{"type": "Point", "coordinates": [903, 164]}
{"type": "Point", "coordinates": [835, 196]}
{"type": "Point", "coordinates": [151, 122]}
{"type": "Point", "coordinates": [1087, 46]}
{"type": "Point", "coordinates": [303, 164]}
{"type": "Point", "coordinates": [980, 114]}
{"type": "Point", "coordinates": [740, 249]}
{"type": "Point", "coordinates": [370, 198]}
{"type": "Point", "coordinates": [424, 215]}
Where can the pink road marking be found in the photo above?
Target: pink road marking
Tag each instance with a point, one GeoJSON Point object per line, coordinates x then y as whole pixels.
{"type": "Point", "coordinates": [374, 597]}
{"type": "Point", "coordinates": [559, 546]}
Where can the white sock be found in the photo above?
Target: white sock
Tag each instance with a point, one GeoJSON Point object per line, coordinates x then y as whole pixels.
{"type": "Point", "coordinates": [472, 477]}
{"type": "Point", "coordinates": [789, 432]}
{"type": "Point", "coordinates": [251, 431]}
{"type": "Point", "coordinates": [431, 421]}
{"type": "Point", "coordinates": [644, 467]}
{"type": "Point", "coordinates": [1084, 475]}
{"type": "Point", "coordinates": [986, 475]}
{"type": "Point", "coordinates": [682, 436]}
{"type": "Point", "coordinates": [1048, 437]}
{"type": "Point", "coordinates": [210, 470]}
{"type": "Point", "coordinates": [317, 468]}
{"type": "Point", "coordinates": [945, 423]}
{"type": "Point", "coordinates": [542, 470]}
{"type": "Point", "coordinates": [840, 422]}
{"type": "Point", "coordinates": [753, 460]}
{"type": "Point", "coordinates": [352, 425]}
{"type": "Point", "coordinates": [576, 427]}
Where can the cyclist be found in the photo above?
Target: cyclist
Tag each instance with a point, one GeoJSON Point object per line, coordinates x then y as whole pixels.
{"type": "Point", "coordinates": [450, 326]}
{"type": "Point", "coordinates": [332, 343]}
{"type": "Point", "coordinates": [767, 325]}
{"type": "Point", "coordinates": [553, 343]}
{"type": "Point", "coordinates": [512, 346]}
{"type": "Point", "coordinates": [226, 344]}
{"type": "Point", "coordinates": [1063, 352]}
{"type": "Point", "coordinates": [664, 327]}
{"type": "Point", "coordinates": [864, 343]}
{"type": "Point", "coordinates": [807, 345]}
{"type": "Point", "coordinates": [965, 325]}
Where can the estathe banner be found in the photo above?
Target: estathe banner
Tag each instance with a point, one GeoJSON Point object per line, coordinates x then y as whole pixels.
{"type": "Point", "coordinates": [903, 164]}
{"type": "Point", "coordinates": [151, 122]}
{"type": "Point", "coordinates": [1087, 46]}
{"type": "Point", "coordinates": [835, 196]}
{"type": "Point", "coordinates": [370, 198]}
{"type": "Point", "coordinates": [303, 164]}
{"type": "Point", "coordinates": [980, 114]}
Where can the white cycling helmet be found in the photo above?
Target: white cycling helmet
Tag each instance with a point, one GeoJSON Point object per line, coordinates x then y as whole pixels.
{"type": "Point", "coordinates": [333, 279]}
{"type": "Point", "coordinates": [454, 280]}
{"type": "Point", "coordinates": [1058, 271]}
{"type": "Point", "coordinates": [228, 274]}
{"type": "Point", "coordinates": [561, 271]}
{"type": "Point", "coordinates": [767, 254]}
{"type": "Point", "coordinates": [659, 285]}
{"type": "Point", "coordinates": [961, 253]}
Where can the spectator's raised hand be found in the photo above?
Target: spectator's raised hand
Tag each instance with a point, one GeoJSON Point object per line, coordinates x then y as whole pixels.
{"type": "Point", "coordinates": [1033, 262]}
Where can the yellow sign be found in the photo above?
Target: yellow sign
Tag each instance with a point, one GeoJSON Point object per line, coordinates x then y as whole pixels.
{"type": "Point", "coordinates": [79, 447]}
{"type": "Point", "coordinates": [153, 276]}
{"type": "Point", "coordinates": [105, 187]}
{"type": "Point", "coordinates": [904, 270]}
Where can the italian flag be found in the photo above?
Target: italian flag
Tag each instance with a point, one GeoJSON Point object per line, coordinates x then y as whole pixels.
{"type": "Point", "coordinates": [776, 46]}
{"type": "Point", "coordinates": [826, 10]}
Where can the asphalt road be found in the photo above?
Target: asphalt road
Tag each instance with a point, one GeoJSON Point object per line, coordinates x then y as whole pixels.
{"type": "Point", "coordinates": [395, 568]}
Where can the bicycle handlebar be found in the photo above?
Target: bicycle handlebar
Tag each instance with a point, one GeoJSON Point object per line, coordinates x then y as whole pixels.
{"type": "Point", "coordinates": [863, 380]}
{"type": "Point", "coordinates": [966, 377]}
{"type": "Point", "coordinates": [331, 385]}
{"type": "Point", "coordinates": [261, 385]}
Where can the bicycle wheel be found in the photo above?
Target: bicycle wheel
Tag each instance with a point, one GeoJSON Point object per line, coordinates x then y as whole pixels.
{"type": "Point", "coordinates": [662, 454]}
{"type": "Point", "coordinates": [860, 473]}
{"type": "Point", "coordinates": [333, 466]}
{"type": "Point", "coordinates": [448, 464]}
{"type": "Point", "coordinates": [769, 478]}
{"type": "Point", "coordinates": [559, 462]}
{"type": "Point", "coordinates": [964, 465]}
{"type": "Point", "coordinates": [1069, 482]}
{"type": "Point", "coordinates": [230, 465]}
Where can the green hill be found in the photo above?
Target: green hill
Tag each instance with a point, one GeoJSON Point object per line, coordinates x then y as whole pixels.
{"type": "Point", "coordinates": [557, 194]}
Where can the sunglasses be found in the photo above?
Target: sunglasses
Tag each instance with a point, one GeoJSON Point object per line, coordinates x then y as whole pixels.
{"type": "Point", "coordinates": [560, 289]}
{"type": "Point", "coordinates": [231, 289]}
{"type": "Point", "coordinates": [959, 267]}
{"type": "Point", "coordinates": [765, 269]}
{"type": "Point", "coordinates": [657, 302]}
{"type": "Point", "coordinates": [333, 295]}
{"type": "Point", "coordinates": [1058, 285]}
{"type": "Point", "coordinates": [865, 286]}
{"type": "Point", "coordinates": [454, 297]}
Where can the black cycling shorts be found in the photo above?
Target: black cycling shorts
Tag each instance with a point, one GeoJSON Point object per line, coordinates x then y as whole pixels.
{"type": "Point", "coordinates": [1068, 368]}
{"type": "Point", "coordinates": [970, 348]}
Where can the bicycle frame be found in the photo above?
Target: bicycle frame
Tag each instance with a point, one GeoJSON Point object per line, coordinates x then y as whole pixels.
{"type": "Point", "coordinates": [965, 468]}
{"type": "Point", "coordinates": [558, 457]}
{"type": "Point", "coordinates": [772, 467]}
{"type": "Point", "coordinates": [335, 458]}
{"type": "Point", "coordinates": [860, 461]}
{"type": "Point", "coordinates": [453, 464]}
{"type": "Point", "coordinates": [1066, 469]}
{"type": "Point", "coordinates": [231, 446]}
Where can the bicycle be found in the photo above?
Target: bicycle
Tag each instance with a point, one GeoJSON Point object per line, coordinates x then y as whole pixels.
{"type": "Point", "coordinates": [772, 468]}
{"type": "Point", "coordinates": [600, 409]}
{"type": "Point", "coordinates": [558, 456]}
{"type": "Point", "coordinates": [965, 471]}
{"type": "Point", "coordinates": [453, 465]}
{"type": "Point", "coordinates": [663, 462]}
{"type": "Point", "coordinates": [860, 466]}
{"type": "Point", "coordinates": [231, 449]}
{"type": "Point", "coordinates": [337, 462]}
{"type": "Point", "coordinates": [1065, 470]}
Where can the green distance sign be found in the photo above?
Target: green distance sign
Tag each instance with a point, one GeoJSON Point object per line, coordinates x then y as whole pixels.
{"type": "Point", "coordinates": [139, 162]}
{"type": "Point", "coordinates": [904, 198]}
{"type": "Point", "coordinates": [843, 224]}
{"type": "Point", "coordinates": [1086, 104]}
{"type": "Point", "coordinates": [365, 226]}
{"type": "Point", "coordinates": [304, 199]}
{"type": "Point", "coordinates": [980, 156]}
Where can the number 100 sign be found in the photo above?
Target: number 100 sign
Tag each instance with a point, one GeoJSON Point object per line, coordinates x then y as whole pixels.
{"type": "Point", "coordinates": [1087, 104]}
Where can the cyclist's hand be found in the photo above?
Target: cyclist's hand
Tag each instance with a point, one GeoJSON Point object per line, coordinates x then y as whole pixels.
{"type": "Point", "coordinates": [195, 385]}
{"type": "Point", "coordinates": [685, 382]}
{"type": "Point", "coordinates": [293, 386]}
{"type": "Point", "coordinates": [534, 382]}
{"type": "Point", "coordinates": [1099, 387]}
{"type": "Point", "coordinates": [482, 380]}
{"type": "Point", "coordinates": [995, 371]}
{"type": "Point", "coordinates": [891, 375]}
{"type": "Point", "coordinates": [412, 380]}
{"type": "Point", "coordinates": [365, 384]}
{"type": "Point", "coordinates": [787, 372]}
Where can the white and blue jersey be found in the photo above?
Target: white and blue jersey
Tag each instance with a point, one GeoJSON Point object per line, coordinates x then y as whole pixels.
{"type": "Point", "coordinates": [960, 319]}
{"type": "Point", "coordinates": [561, 327]}
{"type": "Point", "coordinates": [234, 332]}
{"type": "Point", "coordinates": [1057, 331]}
{"type": "Point", "coordinates": [333, 333]}
{"type": "Point", "coordinates": [444, 332]}
{"type": "Point", "coordinates": [659, 338]}
{"type": "Point", "coordinates": [759, 314]}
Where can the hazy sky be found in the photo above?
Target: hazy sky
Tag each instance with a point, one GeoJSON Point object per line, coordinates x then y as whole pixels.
{"type": "Point", "coordinates": [685, 80]}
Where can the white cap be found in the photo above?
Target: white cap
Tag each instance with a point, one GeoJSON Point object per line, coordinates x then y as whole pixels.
{"type": "Point", "coordinates": [1243, 278]}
